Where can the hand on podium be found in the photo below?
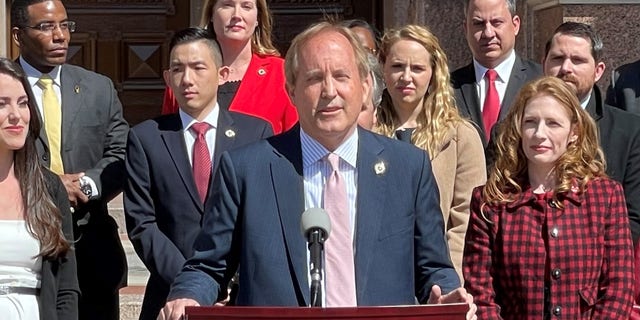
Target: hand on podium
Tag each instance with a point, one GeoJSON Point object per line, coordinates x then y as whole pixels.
{"type": "Point", "coordinates": [174, 309]}
{"type": "Point", "coordinates": [456, 296]}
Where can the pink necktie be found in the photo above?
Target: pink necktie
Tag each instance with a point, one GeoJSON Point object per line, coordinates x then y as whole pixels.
{"type": "Point", "coordinates": [201, 159]}
{"type": "Point", "coordinates": [491, 107]}
{"type": "Point", "coordinates": [340, 268]}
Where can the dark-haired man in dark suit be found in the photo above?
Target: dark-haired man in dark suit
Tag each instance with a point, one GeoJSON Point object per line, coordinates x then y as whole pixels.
{"type": "Point", "coordinates": [486, 87]}
{"type": "Point", "coordinates": [574, 54]}
{"type": "Point", "coordinates": [624, 89]}
{"type": "Point", "coordinates": [166, 190]}
{"type": "Point", "coordinates": [82, 140]}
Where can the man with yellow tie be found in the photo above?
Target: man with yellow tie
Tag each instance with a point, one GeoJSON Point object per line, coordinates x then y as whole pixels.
{"type": "Point", "coordinates": [82, 140]}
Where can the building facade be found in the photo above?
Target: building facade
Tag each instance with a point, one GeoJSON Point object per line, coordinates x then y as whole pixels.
{"type": "Point", "coordinates": [127, 40]}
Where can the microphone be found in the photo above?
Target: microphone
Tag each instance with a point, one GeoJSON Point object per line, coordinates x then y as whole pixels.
{"type": "Point", "coordinates": [316, 227]}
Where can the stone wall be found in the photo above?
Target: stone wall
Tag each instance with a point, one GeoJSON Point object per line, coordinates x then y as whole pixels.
{"type": "Point", "coordinates": [445, 19]}
{"type": "Point", "coordinates": [618, 23]}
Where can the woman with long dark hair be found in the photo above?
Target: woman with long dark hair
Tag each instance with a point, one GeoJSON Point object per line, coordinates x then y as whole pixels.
{"type": "Point", "coordinates": [37, 265]}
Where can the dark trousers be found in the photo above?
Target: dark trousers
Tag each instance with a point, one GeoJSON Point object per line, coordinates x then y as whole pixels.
{"type": "Point", "coordinates": [102, 268]}
{"type": "Point", "coordinates": [99, 306]}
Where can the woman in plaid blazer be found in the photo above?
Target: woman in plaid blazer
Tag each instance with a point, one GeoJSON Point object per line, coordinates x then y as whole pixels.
{"type": "Point", "coordinates": [549, 234]}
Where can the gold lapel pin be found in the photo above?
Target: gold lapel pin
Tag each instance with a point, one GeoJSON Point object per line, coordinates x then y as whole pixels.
{"type": "Point", "coordinates": [379, 168]}
{"type": "Point", "coordinates": [230, 133]}
{"type": "Point", "coordinates": [76, 89]}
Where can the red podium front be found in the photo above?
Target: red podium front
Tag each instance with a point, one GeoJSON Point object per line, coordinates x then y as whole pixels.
{"type": "Point", "coordinates": [455, 311]}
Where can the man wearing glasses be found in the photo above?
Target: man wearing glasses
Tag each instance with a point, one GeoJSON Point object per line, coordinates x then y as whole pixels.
{"type": "Point", "coordinates": [82, 140]}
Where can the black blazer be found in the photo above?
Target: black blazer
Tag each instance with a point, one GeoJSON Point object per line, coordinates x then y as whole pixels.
{"type": "Point", "coordinates": [59, 284]}
{"type": "Point", "coordinates": [162, 207]}
{"type": "Point", "coordinates": [464, 85]}
{"type": "Point", "coordinates": [624, 89]}
{"type": "Point", "coordinates": [620, 140]}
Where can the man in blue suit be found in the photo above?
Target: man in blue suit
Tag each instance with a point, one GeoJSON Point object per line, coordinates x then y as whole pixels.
{"type": "Point", "coordinates": [252, 222]}
{"type": "Point", "coordinates": [162, 198]}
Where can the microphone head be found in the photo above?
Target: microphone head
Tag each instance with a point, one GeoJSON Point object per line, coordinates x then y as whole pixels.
{"type": "Point", "coordinates": [315, 218]}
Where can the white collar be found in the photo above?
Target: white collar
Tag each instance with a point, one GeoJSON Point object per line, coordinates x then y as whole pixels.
{"type": "Point", "coordinates": [503, 69]}
{"type": "Point", "coordinates": [34, 75]}
{"type": "Point", "coordinates": [211, 118]}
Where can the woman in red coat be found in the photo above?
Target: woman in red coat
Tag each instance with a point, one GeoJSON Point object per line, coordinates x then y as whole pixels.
{"type": "Point", "coordinates": [254, 82]}
{"type": "Point", "coordinates": [549, 235]}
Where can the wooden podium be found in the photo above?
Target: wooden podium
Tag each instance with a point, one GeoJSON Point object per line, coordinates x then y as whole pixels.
{"type": "Point", "coordinates": [455, 311]}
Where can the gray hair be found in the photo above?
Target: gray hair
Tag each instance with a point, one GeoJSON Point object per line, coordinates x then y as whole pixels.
{"type": "Point", "coordinates": [377, 85]}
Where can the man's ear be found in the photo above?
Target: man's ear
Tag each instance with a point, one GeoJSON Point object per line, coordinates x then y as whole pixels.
{"type": "Point", "coordinates": [223, 74]}
{"type": "Point", "coordinates": [15, 36]}
{"type": "Point", "coordinates": [367, 87]}
{"type": "Point", "coordinates": [516, 23]}
{"type": "Point", "coordinates": [599, 71]}
{"type": "Point", "coordinates": [167, 77]}
{"type": "Point", "coordinates": [290, 91]}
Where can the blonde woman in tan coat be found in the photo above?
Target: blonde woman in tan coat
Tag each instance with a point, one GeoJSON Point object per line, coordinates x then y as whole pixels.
{"type": "Point", "coordinates": [419, 107]}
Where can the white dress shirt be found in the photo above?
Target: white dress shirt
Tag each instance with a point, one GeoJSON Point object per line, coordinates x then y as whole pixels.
{"type": "Point", "coordinates": [190, 136]}
{"type": "Point", "coordinates": [316, 171]}
{"type": "Point", "coordinates": [504, 72]}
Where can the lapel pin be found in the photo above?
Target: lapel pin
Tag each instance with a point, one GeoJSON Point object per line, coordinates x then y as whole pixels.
{"type": "Point", "coordinates": [230, 133]}
{"type": "Point", "coordinates": [76, 89]}
{"type": "Point", "coordinates": [379, 168]}
{"type": "Point", "coordinates": [262, 71]}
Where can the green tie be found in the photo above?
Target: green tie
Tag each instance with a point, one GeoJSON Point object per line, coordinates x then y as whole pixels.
{"type": "Point", "coordinates": [52, 122]}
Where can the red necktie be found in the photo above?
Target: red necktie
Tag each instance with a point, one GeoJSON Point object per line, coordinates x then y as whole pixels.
{"type": "Point", "coordinates": [491, 107]}
{"type": "Point", "coordinates": [340, 269]}
{"type": "Point", "coordinates": [201, 159]}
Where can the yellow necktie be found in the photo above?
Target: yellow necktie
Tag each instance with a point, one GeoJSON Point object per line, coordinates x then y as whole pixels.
{"type": "Point", "coordinates": [52, 122]}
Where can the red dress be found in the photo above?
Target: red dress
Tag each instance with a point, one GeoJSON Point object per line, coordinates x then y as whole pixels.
{"type": "Point", "coordinates": [579, 258]}
{"type": "Point", "coordinates": [261, 94]}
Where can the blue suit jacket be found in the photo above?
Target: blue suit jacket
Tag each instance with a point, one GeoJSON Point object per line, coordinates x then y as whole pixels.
{"type": "Point", "coordinates": [253, 223]}
{"type": "Point", "coordinates": [163, 209]}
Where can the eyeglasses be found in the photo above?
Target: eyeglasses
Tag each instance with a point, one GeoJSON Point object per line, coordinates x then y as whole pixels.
{"type": "Point", "coordinates": [49, 27]}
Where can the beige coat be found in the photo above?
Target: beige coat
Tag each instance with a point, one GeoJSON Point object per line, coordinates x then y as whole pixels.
{"type": "Point", "coordinates": [458, 168]}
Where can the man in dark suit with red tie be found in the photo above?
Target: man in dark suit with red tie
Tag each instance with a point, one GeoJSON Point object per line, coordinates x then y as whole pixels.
{"type": "Point", "coordinates": [486, 87]}
{"type": "Point", "coordinates": [170, 161]}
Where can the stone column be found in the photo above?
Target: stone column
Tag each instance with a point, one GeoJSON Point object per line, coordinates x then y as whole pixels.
{"type": "Point", "coordinates": [196, 11]}
{"type": "Point", "coordinates": [4, 30]}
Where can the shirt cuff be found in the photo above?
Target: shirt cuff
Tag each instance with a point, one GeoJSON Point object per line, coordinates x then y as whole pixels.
{"type": "Point", "coordinates": [94, 187]}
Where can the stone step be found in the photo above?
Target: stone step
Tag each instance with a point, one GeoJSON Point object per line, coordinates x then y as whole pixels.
{"type": "Point", "coordinates": [131, 302]}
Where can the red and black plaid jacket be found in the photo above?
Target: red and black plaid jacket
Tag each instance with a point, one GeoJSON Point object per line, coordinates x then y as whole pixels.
{"type": "Point", "coordinates": [582, 254]}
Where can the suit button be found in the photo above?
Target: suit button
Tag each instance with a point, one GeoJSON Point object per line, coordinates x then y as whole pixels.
{"type": "Point", "coordinates": [557, 310]}
{"type": "Point", "coordinates": [556, 273]}
{"type": "Point", "coordinates": [555, 232]}
{"type": "Point", "coordinates": [45, 157]}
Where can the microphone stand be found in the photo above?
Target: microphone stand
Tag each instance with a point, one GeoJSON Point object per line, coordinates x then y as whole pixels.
{"type": "Point", "coordinates": [316, 248]}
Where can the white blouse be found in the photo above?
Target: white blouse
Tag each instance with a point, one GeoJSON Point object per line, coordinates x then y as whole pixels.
{"type": "Point", "coordinates": [20, 266]}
